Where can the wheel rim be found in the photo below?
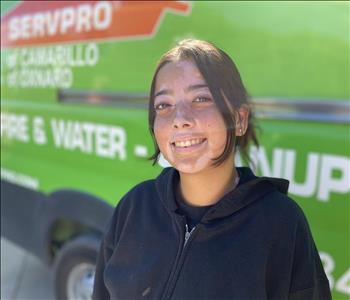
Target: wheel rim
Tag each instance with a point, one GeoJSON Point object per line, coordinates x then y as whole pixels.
{"type": "Point", "coordinates": [80, 282]}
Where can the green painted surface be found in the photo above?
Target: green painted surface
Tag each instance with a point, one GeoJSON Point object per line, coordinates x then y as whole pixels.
{"type": "Point", "coordinates": [282, 49]}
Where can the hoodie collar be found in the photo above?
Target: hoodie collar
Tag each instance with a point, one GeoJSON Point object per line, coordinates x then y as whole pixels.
{"type": "Point", "coordinates": [249, 190]}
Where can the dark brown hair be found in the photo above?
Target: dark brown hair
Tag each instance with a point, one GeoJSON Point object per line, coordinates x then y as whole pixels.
{"type": "Point", "coordinates": [223, 80]}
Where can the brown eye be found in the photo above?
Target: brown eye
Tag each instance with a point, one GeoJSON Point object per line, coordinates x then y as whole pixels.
{"type": "Point", "coordinates": [202, 99]}
{"type": "Point", "coordinates": [161, 106]}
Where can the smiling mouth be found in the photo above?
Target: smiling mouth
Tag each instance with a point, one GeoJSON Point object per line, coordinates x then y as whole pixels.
{"type": "Point", "coordinates": [188, 143]}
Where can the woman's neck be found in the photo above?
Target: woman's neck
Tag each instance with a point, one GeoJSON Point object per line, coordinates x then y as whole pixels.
{"type": "Point", "coordinates": [209, 186]}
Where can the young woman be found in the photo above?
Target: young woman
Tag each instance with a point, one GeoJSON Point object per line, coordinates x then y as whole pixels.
{"type": "Point", "coordinates": [205, 229]}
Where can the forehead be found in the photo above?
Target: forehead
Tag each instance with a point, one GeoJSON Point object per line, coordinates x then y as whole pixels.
{"type": "Point", "coordinates": [183, 72]}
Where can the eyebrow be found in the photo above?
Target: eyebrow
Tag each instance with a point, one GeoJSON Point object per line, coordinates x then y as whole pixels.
{"type": "Point", "coordinates": [188, 89]}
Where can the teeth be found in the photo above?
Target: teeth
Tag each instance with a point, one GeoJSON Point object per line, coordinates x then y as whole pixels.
{"type": "Point", "coordinates": [188, 143]}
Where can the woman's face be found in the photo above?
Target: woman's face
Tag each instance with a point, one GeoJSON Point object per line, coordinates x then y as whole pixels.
{"type": "Point", "coordinates": [188, 127]}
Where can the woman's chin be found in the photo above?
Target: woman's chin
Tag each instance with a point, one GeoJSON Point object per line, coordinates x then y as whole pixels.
{"type": "Point", "coordinates": [191, 167]}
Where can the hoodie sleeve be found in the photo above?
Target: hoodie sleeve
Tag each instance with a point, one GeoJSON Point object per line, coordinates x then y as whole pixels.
{"type": "Point", "coordinates": [308, 280]}
{"type": "Point", "coordinates": [100, 291]}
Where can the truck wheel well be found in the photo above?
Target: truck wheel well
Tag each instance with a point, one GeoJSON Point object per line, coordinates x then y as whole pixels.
{"type": "Point", "coordinates": [64, 230]}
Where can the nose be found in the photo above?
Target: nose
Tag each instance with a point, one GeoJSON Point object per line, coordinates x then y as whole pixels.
{"type": "Point", "coordinates": [183, 116]}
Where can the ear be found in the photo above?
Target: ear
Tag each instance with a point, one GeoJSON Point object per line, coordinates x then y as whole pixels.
{"type": "Point", "coordinates": [242, 115]}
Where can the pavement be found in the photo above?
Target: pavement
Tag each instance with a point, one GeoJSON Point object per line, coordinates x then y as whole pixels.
{"type": "Point", "coordinates": [23, 276]}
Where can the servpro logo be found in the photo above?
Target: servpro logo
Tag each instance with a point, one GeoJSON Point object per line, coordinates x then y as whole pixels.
{"type": "Point", "coordinates": [51, 22]}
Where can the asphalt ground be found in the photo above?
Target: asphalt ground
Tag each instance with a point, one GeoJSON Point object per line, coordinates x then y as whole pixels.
{"type": "Point", "coordinates": [23, 276]}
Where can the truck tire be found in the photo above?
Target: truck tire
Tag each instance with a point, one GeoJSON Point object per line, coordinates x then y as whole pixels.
{"type": "Point", "coordinates": [74, 268]}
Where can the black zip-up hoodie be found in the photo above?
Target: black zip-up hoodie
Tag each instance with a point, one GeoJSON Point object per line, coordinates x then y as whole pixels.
{"type": "Point", "coordinates": [255, 243]}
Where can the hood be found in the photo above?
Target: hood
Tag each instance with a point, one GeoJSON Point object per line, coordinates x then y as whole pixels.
{"type": "Point", "coordinates": [249, 190]}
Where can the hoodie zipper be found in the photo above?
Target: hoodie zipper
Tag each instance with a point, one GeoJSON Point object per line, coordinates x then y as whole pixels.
{"type": "Point", "coordinates": [179, 261]}
{"type": "Point", "coordinates": [188, 234]}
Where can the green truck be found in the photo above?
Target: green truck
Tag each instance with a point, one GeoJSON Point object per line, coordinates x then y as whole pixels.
{"type": "Point", "coordinates": [74, 137]}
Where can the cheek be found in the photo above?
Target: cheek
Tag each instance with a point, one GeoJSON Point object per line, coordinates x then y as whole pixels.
{"type": "Point", "coordinates": [161, 133]}
{"type": "Point", "coordinates": [217, 133]}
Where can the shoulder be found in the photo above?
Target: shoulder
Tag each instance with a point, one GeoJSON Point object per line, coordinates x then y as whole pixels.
{"type": "Point", "coordinates": [129, 209]}
{"type": "Point", "coordinates": [280, 203]}
{"type": "Point", "coordinates": [284, 213]}
{"type": "Point", "coordinates": [151, 188]}
{"type": "Point", "coordinates": [147, 186]}
{"type": "Point", "coordinates": [137, 194]}
{"type": "Point", "coordinates": [286, 222]}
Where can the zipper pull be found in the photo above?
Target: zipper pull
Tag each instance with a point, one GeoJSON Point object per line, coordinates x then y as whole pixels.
{"type": "Point", "coordinates": [187, 233]}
